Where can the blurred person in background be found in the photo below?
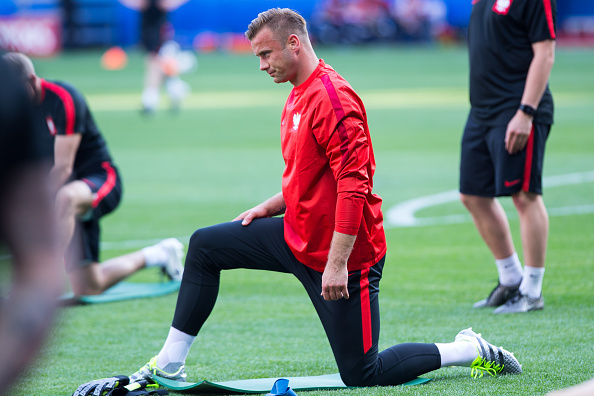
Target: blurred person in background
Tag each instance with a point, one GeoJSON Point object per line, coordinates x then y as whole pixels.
{"type": "Point", "coordinates": [352, 22]}
{"type": "Point", "coordinates": [419, 20]}
{"type": "Point", "coordinates": [511, 51]}
{"type": "Point", "coordinates": [27, 233]}
{"type": "Point", "coordinates": [160, 64]}
{"type": "Point", "coordinates": [86, 185]}
{"type": "Point", "coordinates": [358, 21]}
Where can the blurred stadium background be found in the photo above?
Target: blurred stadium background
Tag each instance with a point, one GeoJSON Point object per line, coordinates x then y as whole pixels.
{"type": "Point", "coordinates": [45, 27]}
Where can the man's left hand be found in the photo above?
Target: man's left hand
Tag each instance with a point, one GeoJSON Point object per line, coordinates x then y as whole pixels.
{"type": "Point", "coordinates": [335, 283]}
{"type": "Point", "coordinates": [518, 132]}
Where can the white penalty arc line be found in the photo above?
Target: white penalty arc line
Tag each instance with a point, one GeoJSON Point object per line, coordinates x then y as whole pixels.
{"type": "Point", "coordinates": [403, 214]}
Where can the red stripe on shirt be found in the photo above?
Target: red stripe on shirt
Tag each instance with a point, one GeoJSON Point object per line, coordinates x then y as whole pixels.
{"type": "Point", "coordinates": [339, 113]}
{"type": "Point", "coordinates": [68, 103]}
{"type": "Point", "coordinates": [109, 184]}
{"type": "Point", "coordinates": [365, 310]}
{"type": "Point", "coordinates": [549, 14]}
{"type": "Point", "coordinates": [528, 163]}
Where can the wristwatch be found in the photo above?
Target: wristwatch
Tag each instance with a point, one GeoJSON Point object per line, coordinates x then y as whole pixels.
{"type": "Point", "coordinates": [527, 109]}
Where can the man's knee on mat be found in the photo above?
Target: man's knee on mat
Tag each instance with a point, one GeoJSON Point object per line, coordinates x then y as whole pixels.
{"type": "Point", "coordinates": [355, 377]}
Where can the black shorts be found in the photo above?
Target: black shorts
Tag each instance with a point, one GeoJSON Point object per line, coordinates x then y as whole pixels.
{"type": "Point", "coordinates": [153, 35]}
{"type": "Point", "coordinates": [107, 185]}
{"type": "Point", "coordinates": [352, 325]}
{"type": "Point", "coordinates": [488, 170]}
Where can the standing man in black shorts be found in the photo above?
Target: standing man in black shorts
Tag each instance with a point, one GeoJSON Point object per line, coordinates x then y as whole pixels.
{"type": "Point", "coordinates": [512, 51]}
{"type": "Point", "coordinates": [87, 186]}
{"type": "Point", "coordinates": [153, 33]}
{"type": "Point", "coordinates": [331, 237]}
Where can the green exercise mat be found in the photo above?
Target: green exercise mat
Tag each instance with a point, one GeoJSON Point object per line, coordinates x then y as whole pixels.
{"type": "Point", "coordinates": [263, 385]}
{"type": "Point", "coordinates": [124, 291]}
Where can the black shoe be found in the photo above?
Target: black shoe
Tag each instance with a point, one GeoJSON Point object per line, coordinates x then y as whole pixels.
{"type": "Point", "coordinates": [521, 303]}
{"type": "Point", "coordinates": [499, 296]}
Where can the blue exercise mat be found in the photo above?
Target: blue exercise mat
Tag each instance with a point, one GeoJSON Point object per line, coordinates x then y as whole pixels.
{"type": "Point", "coordinates": [125, 291]}
{"type": "Point", "coordinates": [263, 385]}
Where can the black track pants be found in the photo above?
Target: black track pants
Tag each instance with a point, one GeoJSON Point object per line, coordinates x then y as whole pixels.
{"type": "Point", "coordinates": [352, 325]}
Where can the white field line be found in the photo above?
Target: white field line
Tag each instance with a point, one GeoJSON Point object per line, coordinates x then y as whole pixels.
{"type": "Point", "coordinates": [403, 214]}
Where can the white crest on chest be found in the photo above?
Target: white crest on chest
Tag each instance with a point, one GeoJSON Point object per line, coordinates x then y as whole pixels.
{"type": "Point", "coordinates": [502, 6]}
{"type": "Point", "coordinates": [296, 120]}
{"type": "Point", "coordinates": [51, 126]}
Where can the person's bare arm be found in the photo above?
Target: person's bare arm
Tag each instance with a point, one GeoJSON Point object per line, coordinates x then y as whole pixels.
{"type": "Point", "coordinates": [518, 129]}
{"type": "Point", "coordinates": [167, 5]}
{"type": "Point", "coordinates": [134, 4]}
{"type": "Point", "coordinates": [335, 277]}
{"type": "Point", "coordinates": [171, 5]}
{"type": "Point", "coordinates": [65, 148]}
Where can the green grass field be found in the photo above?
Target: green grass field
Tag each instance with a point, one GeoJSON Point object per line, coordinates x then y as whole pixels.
{"type": "Point", "coordinates": [221, 155]}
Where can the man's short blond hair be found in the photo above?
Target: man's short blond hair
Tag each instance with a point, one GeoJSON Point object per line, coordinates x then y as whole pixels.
{"type": "Point", "coordinates": [283, 22]}
{"type": "Point", "coordinates": [20, 63]}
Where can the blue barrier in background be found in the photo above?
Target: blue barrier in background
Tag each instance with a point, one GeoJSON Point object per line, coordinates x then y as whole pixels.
{"type": "Point", "coordinates": [107, 22]}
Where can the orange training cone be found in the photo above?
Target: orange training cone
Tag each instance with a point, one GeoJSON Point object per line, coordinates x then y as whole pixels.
{"type": "Point", "coordinates": [114, 58]}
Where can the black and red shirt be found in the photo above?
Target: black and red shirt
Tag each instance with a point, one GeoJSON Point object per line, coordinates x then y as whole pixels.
{"type": "Point", "coordinates": [500, 38]}
{"type": "Point", "coordinates": [65, 112]}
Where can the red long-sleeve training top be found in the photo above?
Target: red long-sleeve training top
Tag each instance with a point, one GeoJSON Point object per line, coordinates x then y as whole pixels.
{"type": "Point", "coordinates": [329, 165]}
